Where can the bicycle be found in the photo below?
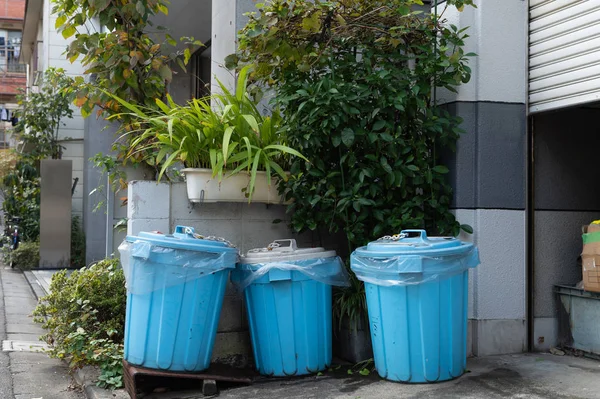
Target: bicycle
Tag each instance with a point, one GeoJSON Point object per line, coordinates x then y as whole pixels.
{"type": "Point", "coordinates": [13, 236]}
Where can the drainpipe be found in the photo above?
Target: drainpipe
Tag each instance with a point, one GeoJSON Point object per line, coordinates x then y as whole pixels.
{"type": "Point", "coordinates": [435, 14]}
{"type": "Point", "coordinates": [529, 206]}
{"type": "Point", "coordinates": [110, 218]}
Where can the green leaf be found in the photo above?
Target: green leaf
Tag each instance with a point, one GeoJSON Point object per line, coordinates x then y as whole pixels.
{"type": "Point", "coordinates": [168, 163]}
{"type": "Point", "coordinates": [101, 5]}
{"type": "Point", "coordinates": [60, 21]}
{"type": "Point", "coordinates": [347, 137]}
{"type": "Point", "coordinates": [466, 228]}
{"type": "Point", "coordinates": [255, 164]}
{"type": "Point", "coordinates": [441, 169]}
{"type": "Point", "coordinates": [163, 9]}
{"type": "Point", "coordinates": [242, 82]}
{"type": "Point", "coordinates": [312, 23]}
{"type": "Point", "coordinates": [364, 372]}
{"type": "Point", "coordinates": [285, 149]}
{"type": "Point", "coordinates": [386, 137]}
{"type": "Point", "coordinates": [140, 8]}
{"type": "Point", "coordinates": [69, 31]}
{"type": "Point", "coordinates": [166, 73]}
{"type": "Point", "coordinates": [226, 141]}
{"type": "Point", "coordinates": [163, 107]}
{"type": "Point", "coordinates": [380, 124]}
{"type": "Point", "coordinates": [251, 120]}
{"type": "Point", "coordinates": [170, 40]}
{"type": "Point", "coordinates": [232, 61]}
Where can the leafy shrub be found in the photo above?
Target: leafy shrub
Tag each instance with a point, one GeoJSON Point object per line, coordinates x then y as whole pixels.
{"type": "Point", "coordinates": [77, 243]}
{"type": "Point", "coordinates": [21, 189]}
{"type": "Point", "coordinates": [26, 257]}
{"type": "Point", "coordinates": [85, 317]}
{"type": "Point", "coordinates": [359, 101]}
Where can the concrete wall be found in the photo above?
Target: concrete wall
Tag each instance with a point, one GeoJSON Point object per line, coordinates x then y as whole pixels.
{"type": "Point", "coordinates": [160, 207]}
{"type": "Point", "coordinates": [227, 19]}
{"type": "Point", "coordinates": [566, 198]}
{"type": "Point", "coordinates": [72, 130]}
{"type": "Point", "coordinates": [223, 40]}
{"type": "Point", "coordinates": [55, 212]}
{"type": "Point", "coordinates": [489, 170]}
{"type": "Point", "coordinates": [104, 206]}
{"type": "Point", "coordinates": [97, 139]}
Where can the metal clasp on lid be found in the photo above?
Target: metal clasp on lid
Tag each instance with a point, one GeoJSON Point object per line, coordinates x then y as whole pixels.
{"type": "Point", "coordinates": [287, 245]}
{"type": "Point", "coordinates": [191, 233]}
{"type": "Point", "coordinates": [395, 237]}
{"type": "Point", "coordinates": [405, 234]}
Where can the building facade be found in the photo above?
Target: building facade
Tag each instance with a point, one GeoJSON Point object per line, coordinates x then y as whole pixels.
{"type": "Point", "coordinates": [12, 74]}
{"type": "Point", "coordinates": [523, 174]}
{"type": "Point", "coordinates": [44, 47]}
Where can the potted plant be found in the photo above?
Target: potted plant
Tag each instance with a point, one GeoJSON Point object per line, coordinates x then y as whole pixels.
{"type": "Point", "coordinates": [229, 150]}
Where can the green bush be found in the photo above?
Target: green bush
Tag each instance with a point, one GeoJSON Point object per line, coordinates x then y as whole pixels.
{"type": "Point", "coordinates": [359, 101]}
{"type": "Point", "coordinates": [21, 193]}
{"type": "Point", "coordinates": [85, 317]}
{"type": "Point", "coordinates": [26, 257]}
{"type": "Point", "coordinates": [77, 243]}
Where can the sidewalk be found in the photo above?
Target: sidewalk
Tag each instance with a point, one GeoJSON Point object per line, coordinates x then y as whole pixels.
{"type": "Point", "coordinates": [32, 373]}
{"type": "Point", "coordinates": [532, 376]}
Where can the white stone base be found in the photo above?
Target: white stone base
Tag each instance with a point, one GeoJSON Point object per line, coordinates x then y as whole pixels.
{"type": "Point", "coordinates": [499, 337]}
{"type": "Point", "coordinates": [545, 333]}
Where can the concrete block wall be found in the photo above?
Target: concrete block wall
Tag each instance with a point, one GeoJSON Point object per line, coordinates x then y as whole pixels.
{"type": "Point", "coordinates": [161, 206]}
{"type": "Point", "coordinates": [489, 170]}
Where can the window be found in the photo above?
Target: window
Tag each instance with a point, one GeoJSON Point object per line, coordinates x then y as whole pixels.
{"type": "Point", "coordinates": [10, 50]}
{"type": "Point", "coordinates": [199, 69]}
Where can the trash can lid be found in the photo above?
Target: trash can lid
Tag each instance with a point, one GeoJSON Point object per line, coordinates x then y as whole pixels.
{"type": "Point", "coordinates": [285, 250]}
{"type": "Point", "coordinates": [406, 243]}
{"type": "Point", "coordinates": [185, 238]}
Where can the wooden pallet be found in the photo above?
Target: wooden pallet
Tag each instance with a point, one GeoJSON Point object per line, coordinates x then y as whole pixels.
{"type": "Point", "coordinates": [209, 377]}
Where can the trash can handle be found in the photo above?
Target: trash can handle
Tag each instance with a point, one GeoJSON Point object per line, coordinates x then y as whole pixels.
{"type": "Point", "coordinates": [283, 245]}
{"type": "Point", "coordinates": [184, 231]}
{"type": "Point", "coordinates": [422, 233]}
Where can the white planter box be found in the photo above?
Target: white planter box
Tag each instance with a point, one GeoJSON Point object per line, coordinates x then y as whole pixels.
{"type": "Point", "coordinates": [202, 187]}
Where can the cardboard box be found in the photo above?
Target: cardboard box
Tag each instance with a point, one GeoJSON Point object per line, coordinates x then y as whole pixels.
{"type": "Point", "coordinates": [590, 258]}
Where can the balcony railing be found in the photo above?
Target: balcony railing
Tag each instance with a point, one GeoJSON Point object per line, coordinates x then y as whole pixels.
{"type": "Point", "coordinates": [9, 60]}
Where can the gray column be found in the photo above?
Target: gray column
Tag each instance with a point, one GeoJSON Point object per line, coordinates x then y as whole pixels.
{"type": "Point", "coordinates": [99, 136]}
{"type": "Point", "coordinates": [55, 213]}
{"type": "Point", "coordinates": [489, 170]}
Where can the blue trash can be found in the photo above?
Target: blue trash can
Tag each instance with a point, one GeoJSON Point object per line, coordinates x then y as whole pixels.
{"type": "Point", "coordinates": [417, 290]}
{"type": "Point", "coordinates": [175, 289]}
{"type": "Point", "coordinates": [288, 298]}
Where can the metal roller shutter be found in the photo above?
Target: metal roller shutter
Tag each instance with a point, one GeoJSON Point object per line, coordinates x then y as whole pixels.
{"type": "Point", "coordinates": [564, 53]}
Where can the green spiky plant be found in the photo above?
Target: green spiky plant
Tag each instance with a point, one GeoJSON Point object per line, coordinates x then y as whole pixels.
{"type": "Point", "coordinates": [230, 136]}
